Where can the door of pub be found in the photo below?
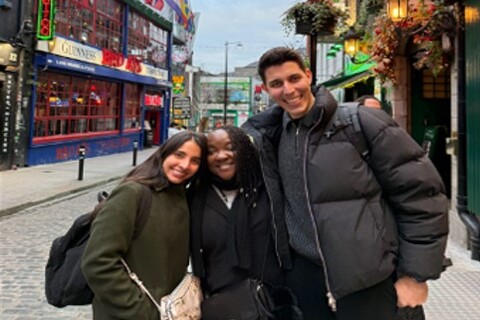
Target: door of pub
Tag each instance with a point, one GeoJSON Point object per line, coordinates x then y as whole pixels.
{"type": "Point", "coordinates": [430, 117]}
{"type": "Point", "coordinates": [153, 119]}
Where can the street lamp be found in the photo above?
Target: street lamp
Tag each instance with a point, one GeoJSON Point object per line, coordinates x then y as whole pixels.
{"type": "Point", "coordinates": [351, 44]}
{"type": "Point", "coordinates": [397, 9]}
{"type": "Point", "coordinates": [225, 88]}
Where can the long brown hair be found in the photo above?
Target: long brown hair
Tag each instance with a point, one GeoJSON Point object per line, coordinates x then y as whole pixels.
{"type": "Point", "coordinates": [150, 172]}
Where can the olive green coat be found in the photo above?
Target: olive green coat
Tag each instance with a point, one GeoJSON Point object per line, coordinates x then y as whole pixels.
{"type": "Point", "coordinates": [159, 256]}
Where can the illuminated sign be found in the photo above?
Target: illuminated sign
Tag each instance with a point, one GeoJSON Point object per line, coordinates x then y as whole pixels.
{"type": "Point", "coordinates": [178, 84]}
{"type": "Point", "coordinates": [46, 17]}
{"type": "Point", "coordinates": [153, 100]}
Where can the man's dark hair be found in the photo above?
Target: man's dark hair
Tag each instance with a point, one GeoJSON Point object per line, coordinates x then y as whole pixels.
{"type": "Point", "coordinates": [278, 56]}
{"type": "Point", "coordinates": [246, 158]}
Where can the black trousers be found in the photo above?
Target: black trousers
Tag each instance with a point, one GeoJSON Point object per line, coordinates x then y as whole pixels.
{"type": "Point", "coordinates": [307, 282]}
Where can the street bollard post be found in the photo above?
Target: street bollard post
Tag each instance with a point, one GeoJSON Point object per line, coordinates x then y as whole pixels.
{"type": "Point", "coordinates": [81, 160]}
{"type": "Point", "coordinates": [135, 149]}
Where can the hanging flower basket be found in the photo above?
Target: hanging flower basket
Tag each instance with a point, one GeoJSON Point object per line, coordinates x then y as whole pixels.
{"type": "Point", "coordinates": [305, 27]}
{"type": "Point", "coordinates": [313, 17]}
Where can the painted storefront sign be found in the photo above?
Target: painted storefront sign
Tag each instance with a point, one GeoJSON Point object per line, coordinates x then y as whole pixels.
{"type": "Point", "coordinates": [69, 151]}
{"type": "Point", "coordinates": [159, 7]}
{"type": "Point", "coordinates": [8, 98]}
{"type": "Point", "coordinates": [70, 49]}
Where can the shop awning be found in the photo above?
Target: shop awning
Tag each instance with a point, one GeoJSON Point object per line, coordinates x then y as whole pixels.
{"type": "Point", "coordinates": [347, 80]}
{"type": "Point", "coordinates": [353, 73]}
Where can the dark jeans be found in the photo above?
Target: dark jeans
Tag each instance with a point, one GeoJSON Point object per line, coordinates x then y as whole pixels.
{"type": "Point", "coordinates": [307, 282]}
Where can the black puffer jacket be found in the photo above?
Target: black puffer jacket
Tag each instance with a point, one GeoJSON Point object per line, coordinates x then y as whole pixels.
{"type": "Point", "coordinates": [370, 219]}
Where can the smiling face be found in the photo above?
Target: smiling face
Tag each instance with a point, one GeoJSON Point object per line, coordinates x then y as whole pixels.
{"type": "Point", "coordinates": [183, 163]}
{"type": "Point", "coordinates": [289, 86]}
{"type": "Point", "coordinates": [221, 157]}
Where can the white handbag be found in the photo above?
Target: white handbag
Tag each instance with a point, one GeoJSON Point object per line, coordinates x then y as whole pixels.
{"type": "Point", "coordinates": [182, 304]}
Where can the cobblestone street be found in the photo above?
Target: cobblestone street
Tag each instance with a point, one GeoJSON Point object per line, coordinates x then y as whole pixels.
{"type": "Point", "coordinates": [27, 235]}
{"type": "Point", "coordinates": [25, 242]}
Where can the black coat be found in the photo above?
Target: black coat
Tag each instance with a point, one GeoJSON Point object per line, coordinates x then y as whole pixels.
{"type": "Point", "coordinates": [211, 228]}
{"type": "Point", "coordinates": [370, 218]}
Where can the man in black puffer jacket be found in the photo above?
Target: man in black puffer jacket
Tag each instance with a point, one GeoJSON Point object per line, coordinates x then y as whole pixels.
{"type": "Point", "coordinates": [365, 236]}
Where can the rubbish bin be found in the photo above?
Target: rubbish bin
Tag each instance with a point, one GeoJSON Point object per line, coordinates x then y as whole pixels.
{"type": "Point", "coordinates": [434, 144]}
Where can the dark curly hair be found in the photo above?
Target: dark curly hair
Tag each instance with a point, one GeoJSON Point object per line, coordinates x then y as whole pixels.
{"type": "Point", "coordinates": [247, 159]}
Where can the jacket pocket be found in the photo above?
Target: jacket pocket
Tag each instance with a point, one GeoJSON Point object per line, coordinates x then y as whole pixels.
{"type": "Point", "coordinates": [355, 243]}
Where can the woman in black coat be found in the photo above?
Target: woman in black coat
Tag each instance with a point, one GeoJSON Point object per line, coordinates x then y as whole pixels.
{"type": "Point", "coordinates": [231, 221]}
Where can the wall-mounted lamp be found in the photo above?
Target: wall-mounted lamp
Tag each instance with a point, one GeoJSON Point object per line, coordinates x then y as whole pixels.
{"type": "Point", "coordinates": [351, 43]}
{"type": "Point", "coordinates": [397, 10]}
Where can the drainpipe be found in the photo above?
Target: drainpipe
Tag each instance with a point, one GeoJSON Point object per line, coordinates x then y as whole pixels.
{"type": "Point", "coordinates": [470, 220]}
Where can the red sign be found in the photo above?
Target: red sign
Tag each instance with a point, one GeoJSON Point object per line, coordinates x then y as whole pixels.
{"type": "Point", "coordinates": [112, 59]}
{"type": "Point", "coordinates": [153, 100]}
{"type": "Point", "coordinates": [115, 59]}
{"type": "Point", "coordinates": [133, 64]}
{"type": "Point", "coordinates": [157, 4]}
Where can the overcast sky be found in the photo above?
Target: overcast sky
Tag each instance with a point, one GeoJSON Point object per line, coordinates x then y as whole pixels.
{"type": "Point", "coordinates": [255, 23]}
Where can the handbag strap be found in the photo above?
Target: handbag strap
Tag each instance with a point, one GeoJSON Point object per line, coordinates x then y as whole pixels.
{"type": "Point", "coordinates": [139, 283]}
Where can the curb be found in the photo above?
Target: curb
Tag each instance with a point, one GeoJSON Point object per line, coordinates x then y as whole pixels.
{"type": "Point", "coordinates": [23, 206]}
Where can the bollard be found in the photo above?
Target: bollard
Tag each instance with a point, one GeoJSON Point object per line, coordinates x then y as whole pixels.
{"type": "Point", "coordinates": [81, 160]}
{"type": "Point", "coordinates": [135, 149]}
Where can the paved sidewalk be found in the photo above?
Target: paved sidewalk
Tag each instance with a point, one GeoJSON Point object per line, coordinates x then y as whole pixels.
{"type": "Point", "coordinates": [25, 187]}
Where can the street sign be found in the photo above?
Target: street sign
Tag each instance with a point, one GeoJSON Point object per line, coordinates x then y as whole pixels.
{"type": "Point", "coordinates": [182, 107]}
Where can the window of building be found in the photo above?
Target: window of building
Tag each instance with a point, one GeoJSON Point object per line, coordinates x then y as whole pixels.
{"type": "Point", "coordinates": [70, 107]}
{"type": "Point", "coordinates": [95, 22]}
{"type": "Point", "coordinates": [435, 87]}
{"type": "Point", "coordinates": [147, 41]}
{"type": "Point", "coordinates": [132, 106]}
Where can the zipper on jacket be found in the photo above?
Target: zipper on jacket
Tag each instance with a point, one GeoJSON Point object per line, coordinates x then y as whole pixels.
{"type": "Point", "coordinates": [332, 303]}
{"type": "Point", "coordinates": [275, 231]}
{"type": "Point", "coordinates": [297, 132]}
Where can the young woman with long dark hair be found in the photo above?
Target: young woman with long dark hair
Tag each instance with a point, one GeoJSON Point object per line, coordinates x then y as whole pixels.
{"type": "Point", "coordinates": [159, 255]}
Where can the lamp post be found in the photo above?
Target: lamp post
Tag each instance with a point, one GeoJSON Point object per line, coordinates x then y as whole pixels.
{"type": "Point", "coordinates": [225, 85]}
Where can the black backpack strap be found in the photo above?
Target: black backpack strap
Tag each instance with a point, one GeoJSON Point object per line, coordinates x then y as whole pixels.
{"type": "Point", "coordinates": [354, 131]}
{"type": "Point", "coordinates": [347, 118]}
{"type": "Point", "coordinates": [143, 213]}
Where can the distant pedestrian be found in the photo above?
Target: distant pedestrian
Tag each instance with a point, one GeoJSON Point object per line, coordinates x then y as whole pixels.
{"type": "Point", "coordinates": [366, 230]}
{"type": "Point", "coordinates": [369, 101]}
{"type": "Point", "coordinates": [159, 255]}
{"type": "Point", "coordinates": [172, 130]}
